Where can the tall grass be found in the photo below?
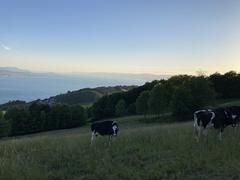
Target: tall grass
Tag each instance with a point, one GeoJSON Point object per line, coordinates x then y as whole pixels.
{"type": "Point", "coordinates": [144, 151]}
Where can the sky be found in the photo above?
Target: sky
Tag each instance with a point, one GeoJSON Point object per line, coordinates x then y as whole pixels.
{"type": "Point", "coordinates": [121, 36]}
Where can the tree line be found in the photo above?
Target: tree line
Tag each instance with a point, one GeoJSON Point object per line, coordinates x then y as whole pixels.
{"type": "Point", "coordinates": [181, 95]}
{"type": "Point", "coordinates": [118, 104]}
{"type": "Point", "coordinates": [226, 85]}
{"type": "Point", "coordinates": [40, 117]}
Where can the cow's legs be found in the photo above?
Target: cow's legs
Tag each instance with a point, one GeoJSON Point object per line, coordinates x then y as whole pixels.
{"type": "Point", "coordinates": [220, 134]}
{"type": "Point", "coordinates": [205, 132]}
{"type": "Point", "coordinates": [199, 132]}
{"type": "Point", "coordinates": [93, 137]}
{"type": "Point", "coordinates": [110, 140]}
{"type": "Point", "coordinates": [195, 127]}
{"type": "Point", "coordinates": [195, 130]}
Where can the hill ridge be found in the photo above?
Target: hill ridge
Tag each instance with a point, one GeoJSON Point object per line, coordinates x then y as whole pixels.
{"type": "Point", "coordinates": [84, 96]}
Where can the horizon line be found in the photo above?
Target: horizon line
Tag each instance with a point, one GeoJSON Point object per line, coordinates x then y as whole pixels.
{"type": "Point", "coordinates": [197, 72]}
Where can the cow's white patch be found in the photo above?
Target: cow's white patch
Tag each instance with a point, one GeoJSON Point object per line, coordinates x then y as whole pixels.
{"type": "Point", "coordinates": [234, 116]}
{"type": "Point", "coordinates": [114, 130]}
{"type": "Point", "coordinates": [196, 112]}
{"type": "Point", "coordinates": [213, 115]}
{"type": "Point", "coordinates": [210, 124]}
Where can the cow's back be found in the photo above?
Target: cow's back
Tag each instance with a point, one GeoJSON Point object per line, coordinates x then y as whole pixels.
{"type": "Point", "coordinates": [222, 118]}
{"type": "Point", "coordinates": [103, 128]}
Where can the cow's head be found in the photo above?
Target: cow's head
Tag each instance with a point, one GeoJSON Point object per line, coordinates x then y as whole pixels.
{"type": "Point", "coordinates": [115, 128]}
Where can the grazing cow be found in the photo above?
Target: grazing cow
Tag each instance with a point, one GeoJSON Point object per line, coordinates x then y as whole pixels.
{"type": "Point", "coordinates": [218, 119]}
{"type": "Point", "coordinates": [202, 121]}
{"type": "Point", "coordinates": [109, 128]}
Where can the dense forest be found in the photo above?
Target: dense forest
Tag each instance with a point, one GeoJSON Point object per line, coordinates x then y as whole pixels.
{"type": "Point", "coordinates": [41, 117]}
{"type": "Point", "coordinates": [179, 95]}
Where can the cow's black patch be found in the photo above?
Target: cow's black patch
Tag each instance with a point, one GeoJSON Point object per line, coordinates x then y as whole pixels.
{"type": "Point", "coordinates": [104, 127]}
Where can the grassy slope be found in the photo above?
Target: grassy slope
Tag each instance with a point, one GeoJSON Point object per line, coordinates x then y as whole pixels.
{"type": "Point", "coordinates": [229, 102]}
{"type": "Point", "coordinates": [142, 151]}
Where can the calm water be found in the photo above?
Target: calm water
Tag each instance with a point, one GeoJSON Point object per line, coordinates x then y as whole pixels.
{"type": "Point", "coordinates": [39, 87]}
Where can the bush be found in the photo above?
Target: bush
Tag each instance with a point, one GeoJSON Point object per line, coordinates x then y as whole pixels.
{"type": "Point", "coordinates": [120, 108]}
{"type": "Point", "coordinates": [159, 98]}
{"type": "Point", "coordinates": [41, 117]}
{"type": "Point", "coordinates": [142, 103]}
{"type": "Point", "coordinates": [5, 125]}
{"type": "Point", "coordinates": [189, 94]}
{"type": "Point", "coordinates": [20, 120]}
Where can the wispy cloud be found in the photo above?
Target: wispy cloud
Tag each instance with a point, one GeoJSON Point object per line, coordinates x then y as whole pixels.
{"type": "Point", "coordinates": [5, 47]}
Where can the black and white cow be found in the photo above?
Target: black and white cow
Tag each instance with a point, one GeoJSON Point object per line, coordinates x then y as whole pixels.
{"type": "Point", "coordinates": [218, 119]}
{"type": "Point", "coordinates": [109, 128]}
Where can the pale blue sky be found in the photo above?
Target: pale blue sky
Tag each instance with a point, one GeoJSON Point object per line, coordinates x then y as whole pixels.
{"type": "Point", "coordinates": [128, 36]}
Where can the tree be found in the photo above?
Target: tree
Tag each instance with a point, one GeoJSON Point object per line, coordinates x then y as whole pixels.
{"type": "Point", "coordinates": [142, 103]}
{"type": "Point", "coordinates": [38, 116]}
{"type": "Point", "coordinates": [189, 94]}
{"type": "Point", "coordinates": [78, 116]}
{"type": "Point", "coordinates": [59, 117]}
{"type": "Point", "coordinates": [19, 119]}
{"type": "Point", "coordinates": [181, 103]}
{"type": "Point", "coordinates": [226, 85]}
{"type": "Point", "coordinates": [159, 98]}
{"type": "Point", "coordinates": [5, 126]}
{"type": "Point", "coordinates": [218, 83]}
{"type": "Point", "coordinates": [202, 91]}
{"type": "Point", "coordinates": [98, 108]}
{"type": "Point", "coordinates": [120, 108]}
{"type": "Point", "coordinates": [105, 106]}
{"type": "Point", "coordinates": [131, 109]}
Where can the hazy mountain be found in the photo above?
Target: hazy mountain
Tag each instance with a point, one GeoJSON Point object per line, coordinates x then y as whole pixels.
{"type": "Point", "coordinates": [16, 72]}
{"type": "Point", "coordinates": [12, 69]}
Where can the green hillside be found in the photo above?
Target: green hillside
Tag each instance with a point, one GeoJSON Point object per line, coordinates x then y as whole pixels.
{"type": "Point", "coordinates": [89, 95]}
{"type": "Point", "coordinates": [141, 151]}
{"type": "Point", "coordinates": [86, 96]}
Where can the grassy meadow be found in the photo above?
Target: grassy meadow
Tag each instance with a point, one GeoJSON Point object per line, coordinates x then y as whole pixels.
{"type": "Point", "coordinates": [141, 151]}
